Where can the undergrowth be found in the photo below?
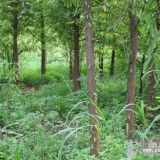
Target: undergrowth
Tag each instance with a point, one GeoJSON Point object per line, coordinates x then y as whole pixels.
{"type": "Point", "coordinates": [53, 123]}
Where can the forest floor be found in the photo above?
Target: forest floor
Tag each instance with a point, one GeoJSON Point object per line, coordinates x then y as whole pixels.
{"type": "Point", "coordinates": [49, 122]}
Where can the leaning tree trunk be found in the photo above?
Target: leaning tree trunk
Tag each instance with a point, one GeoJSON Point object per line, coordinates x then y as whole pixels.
{"type": "Point", "coordinates": [76, 82]}
{"type": "Point", "coordinates": [131, 76]}
{"type": "Point", "coordinates": [15, 44]}
{"type": "Point", "coordinates": [43, 46]}
{"type": "Point", "coordinates": [141, 81]}
{"type": "Point", "coordinates": [94, 141]}
{"type": "Point", "coordinates": [112, 63]}
{"type": "Point", "coordinates": [101, 64]}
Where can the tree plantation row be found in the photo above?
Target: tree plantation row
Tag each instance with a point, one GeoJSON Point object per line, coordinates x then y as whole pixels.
{"type": "Point", "coordinates": [96, 41]}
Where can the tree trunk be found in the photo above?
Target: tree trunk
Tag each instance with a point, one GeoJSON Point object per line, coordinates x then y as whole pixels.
{"type": "Point", "coordinates": [70, 63]}
{"type": "Point", "coordinates": [101, 64]}
{"type": "Point", "coordinates": [131, 76]}
{"type": "Point", "coordinates": [112, 63]}
{"type": "Point", "coordinates": [151, 84]}
{"type": "Point", "coordinates": [94, 141]}
{"type": "Point", "coordinates": [141, 82]}
{"type": "Point", "coordinates": [15, 44]}
{"type": "Point", "coordinates": [76, 82]}
{"type": "Point", "coordinates": [43, 47]}
{"type": "Point", "coordinates": [151, 79]}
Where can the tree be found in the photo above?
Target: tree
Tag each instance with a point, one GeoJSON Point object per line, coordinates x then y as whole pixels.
{"type": "Point", "coordinates": [101, 66]}
{"type": "Point", "coordinates": [112, 63]}
{"type": "Point", "coordinates": [151, 91]}
{"type": "Point", "coordinates": [131, 73]}
{"type": "Point", "coordinates": [15, 16]}
{"type": "Point", "coordinates": [15, 40]}
{"type": "Point", "coordinates": [43, 48]}
{"type": "Point", "coordinates": [76, 82]}
{"type": "Point", "coordinates": [67, 28]}
{"type": "Point", "coordinates": [141, 76]}
{"type": "Point", "coordinates": [151, 83]}
{"type": "Point", "coordinates": [94, 141]}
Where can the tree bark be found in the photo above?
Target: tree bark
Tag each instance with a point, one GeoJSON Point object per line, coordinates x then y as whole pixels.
{"type": "Point", "coordinates": [101, 64]}
{"type": "Point", "coordinates": [141, 81]}
{"type": "Point", "coordinates": [76, 82]}
{"type": "Point", "coordinates": [151, 77]}
{"type": "Point", "coordinates": [43, 46]}
{"type": "Point", "coordinates": [15, 43]}
{"type": "Point", "coordinates": [131, 76]}
{"type": "Point", "coordinates": [94, 141]}
{"type": "Point", "coordinates": [112, 63]}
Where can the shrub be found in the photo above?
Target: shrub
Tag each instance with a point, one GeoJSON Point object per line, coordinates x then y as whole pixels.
{"type": "Point", "coordinates": [36, 79]}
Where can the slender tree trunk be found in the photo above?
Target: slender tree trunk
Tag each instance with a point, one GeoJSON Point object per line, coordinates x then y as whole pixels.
{"type": "Point", "coordinates": [15, 44]}
{"type": "Point", "coordinates": [43, 46]}
{"type": "Point", "coordinates": [101, 64]}
{"type": "Point", "coordinates": [112, 63]}
{"type": "Point", "coordinates": [131, 76]}
{"type": "Point", "coordinates": [151, 79]}
{"type": "Point", "coordinates": [151, 84]}
{"type": "Point", "coordinates": [94, 141]}
{"type": "Point", "coordinates": [76, 82]}
{"type": "Point", "coordinates": [70, 63]}
{"type": "Point", "coordinates": [141, 81]}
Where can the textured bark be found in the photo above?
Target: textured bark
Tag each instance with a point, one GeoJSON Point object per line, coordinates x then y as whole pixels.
{"type": "Point", "coordinates": [43, 46]}
{"type": "Point", "coordinates": [94, 141]}
{"type": "Point", "coordinates": [112, 63]}
{"type": "Point", "coordinates": [131, 76]}
{"type": "Point", "coordinates": [15, 44]}
{"type": "Point", "coordinates": [76, 82]}
{"type": "Point", "coordinates": [141, 81]}
{"type": "Point", "coordinates": [101, 64]}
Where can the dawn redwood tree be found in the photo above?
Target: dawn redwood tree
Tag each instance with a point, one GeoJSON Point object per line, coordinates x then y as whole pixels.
{"type": "Point", "coordinates": [43, 47]}
{"type": "Point", "coordinates": [15, 15]}
{"type": "Point", "coordinates": [67, 29]}
{"type": "Point", "coordinates": [15, 40]}
{"type": "Point", "coordinates": [151, 84]}
{"type": "Point", "coordinates": [101, 66]}
{"type": "Point", "coordinates": [151, 91]}
{"type": "Point", "coordinates": [76, 75]}
{"type": "Point", "coordinates": [70, 62]}
{"type": "Point", "coordinates": [112, 62]}
{"type": "Point", "coordinates": [131, 74]}
{"type": "Point", "coordinates": [94, 141]}
{"type": "Point", "coordinates": [141, 81]}
{"type": "Point", "coordinates": [40, 10]}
